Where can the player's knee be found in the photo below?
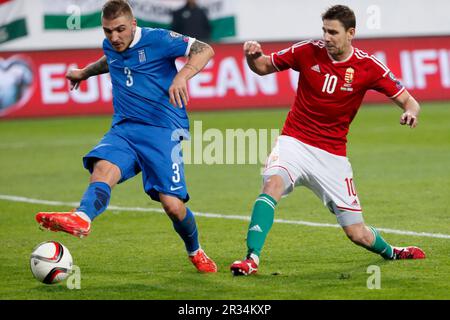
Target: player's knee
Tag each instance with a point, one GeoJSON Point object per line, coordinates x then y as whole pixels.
{"type": "Point", "coordinates": [274, 186]}
{"type": "Point", "coordinates": [107, 172]}
{"type": "Point", "coordinates": [174, 209]}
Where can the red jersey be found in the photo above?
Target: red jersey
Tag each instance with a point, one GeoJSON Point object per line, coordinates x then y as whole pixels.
{"type": "Point", "coordinates": [330, 92]}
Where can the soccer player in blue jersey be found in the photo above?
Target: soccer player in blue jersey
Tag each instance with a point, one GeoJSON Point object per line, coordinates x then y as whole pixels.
{"type": "Point", "coordinates": [149, 99]}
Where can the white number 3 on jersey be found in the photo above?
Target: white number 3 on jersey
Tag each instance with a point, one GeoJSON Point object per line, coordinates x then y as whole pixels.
{"type": "Point", "coordinates": [129, 81]}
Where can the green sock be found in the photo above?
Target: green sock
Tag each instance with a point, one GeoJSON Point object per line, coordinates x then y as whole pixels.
{"type": "Point", "coordinates": [260, 224]}
{"type": "Point", "coordinates": [380, 246]}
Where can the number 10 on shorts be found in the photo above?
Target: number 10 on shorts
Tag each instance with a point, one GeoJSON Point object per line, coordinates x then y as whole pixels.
{"type": "Point", "coordinates": [350, 187]}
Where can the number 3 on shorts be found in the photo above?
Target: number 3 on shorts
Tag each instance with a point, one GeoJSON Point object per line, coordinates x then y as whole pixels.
{"type": "Point", "coordinates": [176, 173]}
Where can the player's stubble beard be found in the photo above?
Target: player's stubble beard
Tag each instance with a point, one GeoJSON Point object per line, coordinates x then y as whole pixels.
{"type": "Point", "coordinates": [133, 33]}
{"type": "Point", "coordinates": [341, 52]}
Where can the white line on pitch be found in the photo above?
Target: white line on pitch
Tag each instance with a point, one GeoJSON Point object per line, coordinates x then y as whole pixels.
{"type": "Point", "coordinates": [56, 143]}
{"type": "Point", "coordinates": [218, 216]}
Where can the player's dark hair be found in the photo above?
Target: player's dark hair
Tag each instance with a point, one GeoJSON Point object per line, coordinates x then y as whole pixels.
{"type": "Point", "coordinates": [113, 9]}
{"type": "Point", "coordinates": [343, 14]}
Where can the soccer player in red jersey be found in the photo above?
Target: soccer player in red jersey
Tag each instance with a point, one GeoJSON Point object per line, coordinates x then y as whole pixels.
{"type": "Point", "coordinates": [311, 151]}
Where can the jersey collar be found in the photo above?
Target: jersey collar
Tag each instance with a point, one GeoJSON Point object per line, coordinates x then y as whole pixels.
{"type": "Point", "coordinates": [342, 61]}
{"type": "Point", "coordinates": [137, 37]}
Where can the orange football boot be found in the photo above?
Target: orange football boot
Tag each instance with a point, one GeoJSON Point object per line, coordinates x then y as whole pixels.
{"type": "Point", "coordinates": [69, 222]}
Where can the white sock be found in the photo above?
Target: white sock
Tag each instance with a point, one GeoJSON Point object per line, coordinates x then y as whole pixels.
{"type": "Point", "coordinates": [193, 253]}
{"type": "Point", "coordinates": [255, 258]}
{"type": "Point", "coordinates": [83, 216]}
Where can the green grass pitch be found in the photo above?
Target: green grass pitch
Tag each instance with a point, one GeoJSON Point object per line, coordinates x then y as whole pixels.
{"type": "Point", "coordinates": [403, 182]}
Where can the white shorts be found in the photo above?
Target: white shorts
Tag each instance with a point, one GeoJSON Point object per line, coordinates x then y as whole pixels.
{"type": "Point", "coordinates": [329, 176]}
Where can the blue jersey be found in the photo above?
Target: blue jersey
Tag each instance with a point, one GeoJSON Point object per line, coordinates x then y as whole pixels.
{"type": "Point", "coordinates": [142, 74]}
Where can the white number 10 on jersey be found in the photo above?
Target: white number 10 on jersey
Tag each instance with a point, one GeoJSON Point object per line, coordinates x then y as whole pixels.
{"type": "Point", "coordinates": [329, 84]}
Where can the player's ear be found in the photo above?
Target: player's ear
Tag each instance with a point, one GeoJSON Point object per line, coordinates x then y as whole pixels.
{"type": "Point", "coordinates": [351, 33]}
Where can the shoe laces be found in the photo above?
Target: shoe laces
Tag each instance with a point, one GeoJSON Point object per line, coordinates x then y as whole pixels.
{"type": "Point", "coordinates": [201, 257]}
{"type": "Point", "coordinates": [251, 261]}
{"type": "Point", "coordinates": [402, 253]}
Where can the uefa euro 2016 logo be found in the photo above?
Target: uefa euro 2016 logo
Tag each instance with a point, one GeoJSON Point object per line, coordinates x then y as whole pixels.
{"type": "Point", "coordinates": [17, 83]}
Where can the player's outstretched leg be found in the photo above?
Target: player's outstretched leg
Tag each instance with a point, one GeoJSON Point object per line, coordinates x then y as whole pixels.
{"type": "Point", "coordinates": [185, 225]}
{"type": "Point", "coordinates": [260, 225]}
{"type": "Point", "coordinates": [95, 200]}
{"type": "Point", "coordinates": [78, 222]}
{"type": "Point", "coordinates": [369, 238]}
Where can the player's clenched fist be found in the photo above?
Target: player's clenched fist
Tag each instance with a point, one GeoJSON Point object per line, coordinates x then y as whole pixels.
{"type": "Point", "coordinates": [258, 62]}
{"type": "Point", "coordinates": [75, 76]}
{"type": "Point", "coordinates": [252, 49]}
{"type": "Point", "coordinates": [409, 118]}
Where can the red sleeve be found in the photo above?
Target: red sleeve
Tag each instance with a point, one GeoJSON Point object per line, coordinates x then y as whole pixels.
{"type": "Point", "coordinates": [290, 57]}
{"type": "Point", "coordinates": [384, 80]}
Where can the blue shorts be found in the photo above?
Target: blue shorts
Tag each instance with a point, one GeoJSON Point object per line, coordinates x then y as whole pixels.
{"type": "Point", "coordinates": [136, 147]}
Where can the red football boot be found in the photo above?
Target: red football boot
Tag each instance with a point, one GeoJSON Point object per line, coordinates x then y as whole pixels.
{"type": "Point", "coordinates": [203, 263]}
{"type": "Point", "coordinates": [69, 222]}
{"type": "Point", "coordinates": [408, 253]}
{"type": "Point", "coordinates": [244, 268]}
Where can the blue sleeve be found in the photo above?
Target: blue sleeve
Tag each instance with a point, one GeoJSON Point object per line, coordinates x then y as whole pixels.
{"type": "Point", "coordinates": [173, 44]}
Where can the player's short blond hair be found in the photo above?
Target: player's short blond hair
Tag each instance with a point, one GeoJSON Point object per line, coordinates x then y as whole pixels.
{"type": "Point", "coordinates": [113, 9]}
{"type": "Point", "coordinates": [343, 14]}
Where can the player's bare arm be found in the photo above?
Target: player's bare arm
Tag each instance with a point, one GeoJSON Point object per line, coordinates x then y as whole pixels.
{"type": "Point", "coordinates": [411, 109]}
{"type": "Point", "coordinates": [199, 55]}
{"type": "Point", "coordinates": [77, 75]}
{"type": "Point", "coordinates": [257, 61]}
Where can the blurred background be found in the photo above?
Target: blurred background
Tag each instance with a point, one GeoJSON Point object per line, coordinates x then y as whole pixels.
{"type": "Point", "coordinates": [41, 39]}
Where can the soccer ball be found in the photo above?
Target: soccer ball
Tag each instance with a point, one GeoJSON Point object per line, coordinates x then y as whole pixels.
{"type": "Point", "coordinates": [51, 262]}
